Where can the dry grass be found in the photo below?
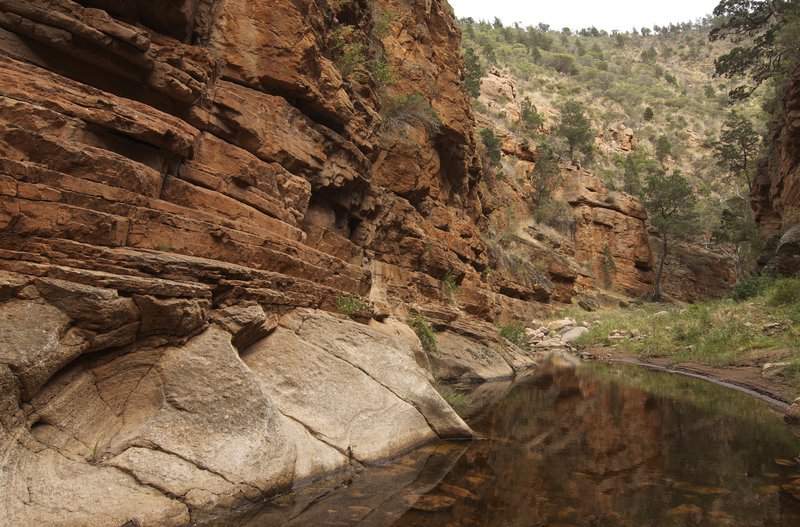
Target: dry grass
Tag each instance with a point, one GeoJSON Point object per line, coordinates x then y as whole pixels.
{"type": "Point", "coordinates": [719, 333]}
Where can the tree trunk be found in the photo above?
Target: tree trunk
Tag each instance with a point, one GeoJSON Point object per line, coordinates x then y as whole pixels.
{"type": "Point", "coordinates": [660, 270]}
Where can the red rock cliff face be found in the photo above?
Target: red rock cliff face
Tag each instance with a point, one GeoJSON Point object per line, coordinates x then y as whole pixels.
{"type": "Point", "coordinates": [776, 189]}
{"type": "Point", "coordinates": [183, 186]}
{"type": "Point", "coordinates": [224, 130]}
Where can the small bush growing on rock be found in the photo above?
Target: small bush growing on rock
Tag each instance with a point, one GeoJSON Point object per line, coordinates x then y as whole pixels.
{"type": "Point", "coordinates": [348, 55]}
{"type": "Point", "coordinates": [492, 145]}
{"type": "Point", "coordinates": [424, 332]}
{"type": "Point", "coordinates": [450, 287]}
{"type": "Point", "coordinates": [514, 332]}
{"type": "Point", "coordinates": [412, 109]}
{"type": "Point", "coordinates": [351, 305]}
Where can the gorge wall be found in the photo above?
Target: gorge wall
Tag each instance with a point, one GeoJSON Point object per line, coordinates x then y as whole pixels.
{"type": "Point", "coordinates": [776, 189]}
{"type": "Point", "coordinates": [188, 191]}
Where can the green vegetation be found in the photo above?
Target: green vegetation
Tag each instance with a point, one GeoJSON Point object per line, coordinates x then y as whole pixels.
{"type": "Point", "coordinates": [514, 332]}
{"type": "Point", "coordinates": [767, 38]}
{"type": "Point", "coordinates": [450, 287]}
{"type": "Point", "coordinates": [492, 145]}
{"type": "Point", "coordinates": [671, 207]}
{"type": "Point", "coordinates": [419, 323]}
{"type": "Point", "coordinates": [412, 109]}
{"type": "Point", "coordinates": [352, 305]}
{"type": "Point", "coordinates": [530, 119]}
{"type": "Point", "coordinates": [456, 399]}
{"type": "Point", "coordinates": [737, 148]}
{"type": "Point", "coordinates": [545, 173]}
{"type": "Point", "coordinates": [473, 74]}
{"type": "Point", "coordinates": [760, 322]}
{"type": "Point", "coordinates": [656, 81]}
{"type": "Point", "coordinates": [575, 128]}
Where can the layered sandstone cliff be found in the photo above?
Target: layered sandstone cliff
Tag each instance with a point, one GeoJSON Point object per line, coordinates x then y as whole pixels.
{"type": "Point", "coordinates": [185, 189]}
{"type": "Point", "coordinates": [776, 189]}
{"type": "Point", "coordinates": [188, 191]}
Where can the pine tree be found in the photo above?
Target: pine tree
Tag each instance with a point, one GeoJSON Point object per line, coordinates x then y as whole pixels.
{"type": "Point", "coordinates": [473, 73]}
{"type": "Point", "coordinates": [737, 148]}
{"type": "Point", "coordinates": [575, 127]}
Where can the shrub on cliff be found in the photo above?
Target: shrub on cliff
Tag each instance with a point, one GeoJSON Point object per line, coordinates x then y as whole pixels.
{"type": "Point", "coordinates": [412, 109]}
{"type": "Point", "coordinates": [352, 305]}
{"type": "Point", "coordinates": [575, 127]}
{"type": "Point", "coordinates": [492, 145]}
{"type": "Point", "coordinates": [419, 323]}
{"type": "Point", "coordinates": [473, 73]}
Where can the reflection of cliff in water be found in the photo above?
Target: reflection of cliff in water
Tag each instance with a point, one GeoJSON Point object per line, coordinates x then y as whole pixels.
{"type": "Point", "coordinates": [606, 446]}
{"type": "Point", "coordinates": [598, 445]}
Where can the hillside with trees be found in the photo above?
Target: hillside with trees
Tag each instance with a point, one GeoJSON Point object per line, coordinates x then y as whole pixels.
{"type": "Point", "coordinates": [629, 106]}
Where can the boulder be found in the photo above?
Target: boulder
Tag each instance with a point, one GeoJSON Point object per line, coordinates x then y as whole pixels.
{"type": "Point", "coordinates": [573, 334]}
{"type": "Point", "coordinates": [787, 254]}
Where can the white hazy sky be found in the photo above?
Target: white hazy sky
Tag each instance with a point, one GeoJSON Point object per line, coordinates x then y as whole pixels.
{"type": "Point", "coordinates": [603, 14]}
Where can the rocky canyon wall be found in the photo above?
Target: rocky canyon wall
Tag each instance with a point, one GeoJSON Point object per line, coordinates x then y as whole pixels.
{"type": "Point", "coordinates": [776, 189]}
{"type": "Point", "coordinates": [186, 188]}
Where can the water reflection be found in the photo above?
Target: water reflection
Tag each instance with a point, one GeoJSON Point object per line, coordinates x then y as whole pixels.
{"type": "Point", "coordinates": [597, 445]}
{"type": "Point", "coordinates": [622, 446]}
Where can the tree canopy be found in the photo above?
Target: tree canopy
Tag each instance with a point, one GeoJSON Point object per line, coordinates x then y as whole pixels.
{"type": "Point", "coordinates": [473, 73]}
{"type": "Point", "coordinates": [671, 209]}
{"type": "Point", "coordinates": [766, 34]}
{"type": "Point", "coordinates": [575, 127]}
{"type": "Point", "coordinates": [737, 147]}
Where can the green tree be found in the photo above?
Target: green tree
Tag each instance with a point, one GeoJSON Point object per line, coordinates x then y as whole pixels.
{"type": "Point", "coordinates": [737, 148]}
{"type": "Point", "coordinates": [489, 54]}
{"type": "Point", "coordinates": [649, 55]}
{"type": "Point", "coordinates": [575, 127]}
{"type": "Point", "coordinates": [531, 119]}
{"type": "Point", "coordinates": [767, 34]}
{"type": "Point", "coordinates": [737, 226]}
{"type": "Point", "coordinates": [492, 144]}
{"type": "Point", "coordinates": [670, 204]}
{"type": "Point", "coordinates": [563, 63]}
{"type": "Point", "coordinates": [632, 183]}
{"type": "Point", "coordinates": [473, 73]}
{"type": "Point", "coordinates": [663, 147]}
{"type": "Point", "coordinates": [544, 173]}
{"type": "Point", "coordinates": [648, 114]}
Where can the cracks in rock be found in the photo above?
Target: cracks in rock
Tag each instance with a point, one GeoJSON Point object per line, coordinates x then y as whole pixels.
{"type": "Point", "coordinates": [158, 448]}
{"type": "Point", "coordinates": [157, 488]}
{"type": "Point", "coordinates": [318, 436]}
{"type": "Point", "coordinates": [403, 396]}
{"type": "Point", "coordinates": [139, 382]}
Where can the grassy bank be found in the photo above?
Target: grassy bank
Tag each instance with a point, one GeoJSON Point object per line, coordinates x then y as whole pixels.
{"type": "Point", "coordinates": [760, 323]}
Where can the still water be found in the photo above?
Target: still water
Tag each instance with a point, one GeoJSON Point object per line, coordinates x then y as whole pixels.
{"type": "Point", "coordinates": [600, 445]}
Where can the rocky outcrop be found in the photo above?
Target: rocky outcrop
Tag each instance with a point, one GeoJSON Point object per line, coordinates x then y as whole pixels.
{"type": "Point", "coordinates": [175, 421]}
{"type": "Point", "coordinates": [185, 189]}
{"type": "Point", "coordinates": [775, 195]}
{"type": "Point", "coordinates": [693, 272]}
{"type": "Point", "coordinates": [610, 234]}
